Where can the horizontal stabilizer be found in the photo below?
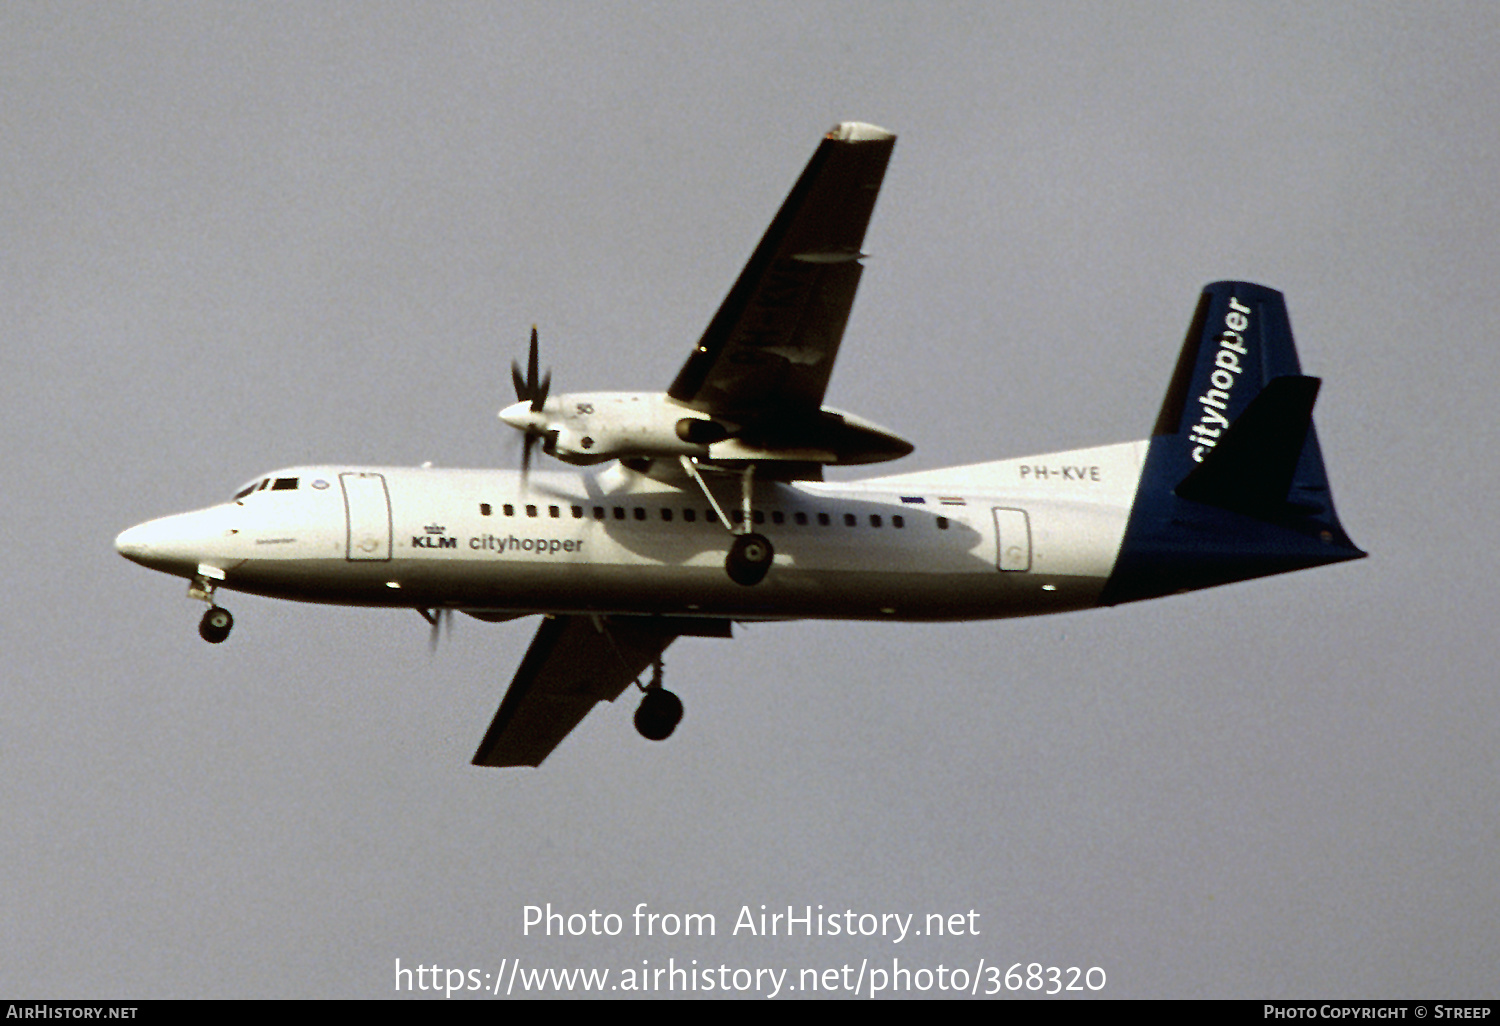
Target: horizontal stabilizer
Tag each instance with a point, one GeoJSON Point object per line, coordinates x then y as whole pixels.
{"type": "Point", "coordinates": [1251, 468]}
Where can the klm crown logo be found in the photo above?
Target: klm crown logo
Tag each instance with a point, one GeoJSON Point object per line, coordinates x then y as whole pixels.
{"type": "Point", "coordinates": [434, 538]}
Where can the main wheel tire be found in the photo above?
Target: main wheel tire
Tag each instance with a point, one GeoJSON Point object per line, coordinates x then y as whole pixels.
{"type": "Point", "coordinates": [749, 558]}
{"type": "Point", "coordinates": [215, 625]}
{"type": "Point", "coordinates": [659, 714]}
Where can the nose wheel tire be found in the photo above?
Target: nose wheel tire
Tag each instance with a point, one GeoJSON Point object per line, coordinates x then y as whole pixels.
{"type": "Point", "coordinates": [215, 625]}
{"type": "Point", "coordinates": [659, 714]}
{"type": "Point", "coordinates": [749, 558]}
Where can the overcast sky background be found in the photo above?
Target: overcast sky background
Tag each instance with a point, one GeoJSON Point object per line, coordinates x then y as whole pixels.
{"type": "Point", "coordinates": [238, 237]}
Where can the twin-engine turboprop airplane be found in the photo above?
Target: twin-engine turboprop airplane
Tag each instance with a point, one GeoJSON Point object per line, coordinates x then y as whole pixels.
{"type": "Point", "coordinates": [713, 508]}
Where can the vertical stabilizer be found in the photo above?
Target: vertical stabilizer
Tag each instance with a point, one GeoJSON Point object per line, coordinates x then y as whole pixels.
{"type": "Point", "coordinates": [1234, 485]}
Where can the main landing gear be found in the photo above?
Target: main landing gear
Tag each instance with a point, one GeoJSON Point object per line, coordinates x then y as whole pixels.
{"type": "Point", "coordinates": [751, 555]}
{"type": "Point", "coordinates": [660, 710]}
{"type": "Point", "coordinates": [749, 558]}
{"type": "Point", "coordinates": [216, 623]}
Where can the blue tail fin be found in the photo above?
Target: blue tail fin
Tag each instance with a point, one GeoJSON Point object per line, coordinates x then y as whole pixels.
{"type": "Point", "coordinates": [1233, 485]}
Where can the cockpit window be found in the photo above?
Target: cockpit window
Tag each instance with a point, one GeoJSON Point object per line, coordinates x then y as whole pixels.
{"type": "Point", "coordinates": [276, 484]}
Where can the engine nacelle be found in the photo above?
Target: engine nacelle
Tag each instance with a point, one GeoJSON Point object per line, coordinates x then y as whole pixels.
{"type": "Point", "coordinates": [592, 427]}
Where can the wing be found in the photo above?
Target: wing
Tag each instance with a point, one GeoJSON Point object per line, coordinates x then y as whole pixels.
{"type": "Point", "coordinates": [573, 662]}
{"type": "Point", "coordinates": [768, 352]}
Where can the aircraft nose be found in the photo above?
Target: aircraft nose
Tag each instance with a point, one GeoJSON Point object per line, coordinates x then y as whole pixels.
{"type": "Point", "coordinates": [133, 543]}
{"type": "Point", "coordinates": [172, 544]}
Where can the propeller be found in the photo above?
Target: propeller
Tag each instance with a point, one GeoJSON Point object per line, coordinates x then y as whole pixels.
{"type": "Point", "coordinates": [530, 389]}
{"type": "Point", "coordinates": [442, 624]}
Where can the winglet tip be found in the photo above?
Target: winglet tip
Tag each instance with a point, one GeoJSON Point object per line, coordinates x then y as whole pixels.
{"type": "Point", "coordinates": [858, 131]}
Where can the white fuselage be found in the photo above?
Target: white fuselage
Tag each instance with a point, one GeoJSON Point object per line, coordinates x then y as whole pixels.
{"type": "Point", "coordinates": [1011, 538]}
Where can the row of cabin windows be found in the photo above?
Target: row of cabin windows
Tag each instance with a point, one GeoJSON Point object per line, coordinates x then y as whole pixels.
{"type": "Point", "coordinates": [690, 515]}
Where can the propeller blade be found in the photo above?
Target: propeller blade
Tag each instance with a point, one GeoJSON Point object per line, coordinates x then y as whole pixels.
{"type": "Point", "coordinates": [442, 626]}
{"type": "Point", "coordinates": [531, 360]}
{"type": "Point", "coordinates": [515, 376]}
{"type": "Point", "coordinates": [531, 387]}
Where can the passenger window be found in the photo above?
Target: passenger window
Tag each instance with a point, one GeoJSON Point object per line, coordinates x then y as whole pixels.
{"type": "Point", "coordinates": [897, 520]}
{"type": "Point", "coordinates": [823, 520]}
{"type": "Point", "coordinates": [577, 512]}
{"type": "Point", "coordinates": [690, 515]}
{"type": "Point", "coordinates": [554, 512]}
{"type": "Point", "coordinates": [758, 516]}
{"type": "Point", "coordinates": [850, 520]}
{"type": "Point", "coordinates": [666, 513]}
{"type": "Point", "coordinates": [874, 519]}
{"type": "Point", "coordinates": [530, 510]}
{"type": "Point", "coordinates": [619, 512]}
{"type": "Point", "coordinates": [484, 509]}
{"type": "Point", "coordinates": [509, 510]}
{"type": "Point", "coordinates": [778, 517]}
{"type": "Point", "coordinates": [598, 512]}
{"type": "Point", "coordinates": [640, 513]}
{"type": "Point", "coordinates": [800, 517]}
{"type": "Point", "coordinates": [942, 523]}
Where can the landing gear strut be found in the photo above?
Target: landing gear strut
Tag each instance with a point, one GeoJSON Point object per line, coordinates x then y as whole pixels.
{"type": "Point", "coordinates": [216, 623]}
{"type": "Point", "coordinates": [660, 710]}
{"type": "Point", "coordinates": [751, 555]}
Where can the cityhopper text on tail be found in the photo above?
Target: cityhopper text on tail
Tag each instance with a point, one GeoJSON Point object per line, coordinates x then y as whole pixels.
{"type": "Point", "coordinates": [677, 513]}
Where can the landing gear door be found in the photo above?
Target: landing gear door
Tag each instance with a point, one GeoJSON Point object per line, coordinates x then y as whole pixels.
{"type": "Point", "coordinates": [367, 512]}
{"type": "Point", "coordinates": [1012, 540]}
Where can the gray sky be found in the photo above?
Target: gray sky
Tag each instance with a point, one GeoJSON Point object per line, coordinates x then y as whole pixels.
{"type": "Point", "coordinates": [238, 237]}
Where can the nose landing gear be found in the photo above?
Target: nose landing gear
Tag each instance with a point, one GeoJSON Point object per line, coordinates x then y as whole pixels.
{"type": "Point", "coordinates": [216, 623]}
